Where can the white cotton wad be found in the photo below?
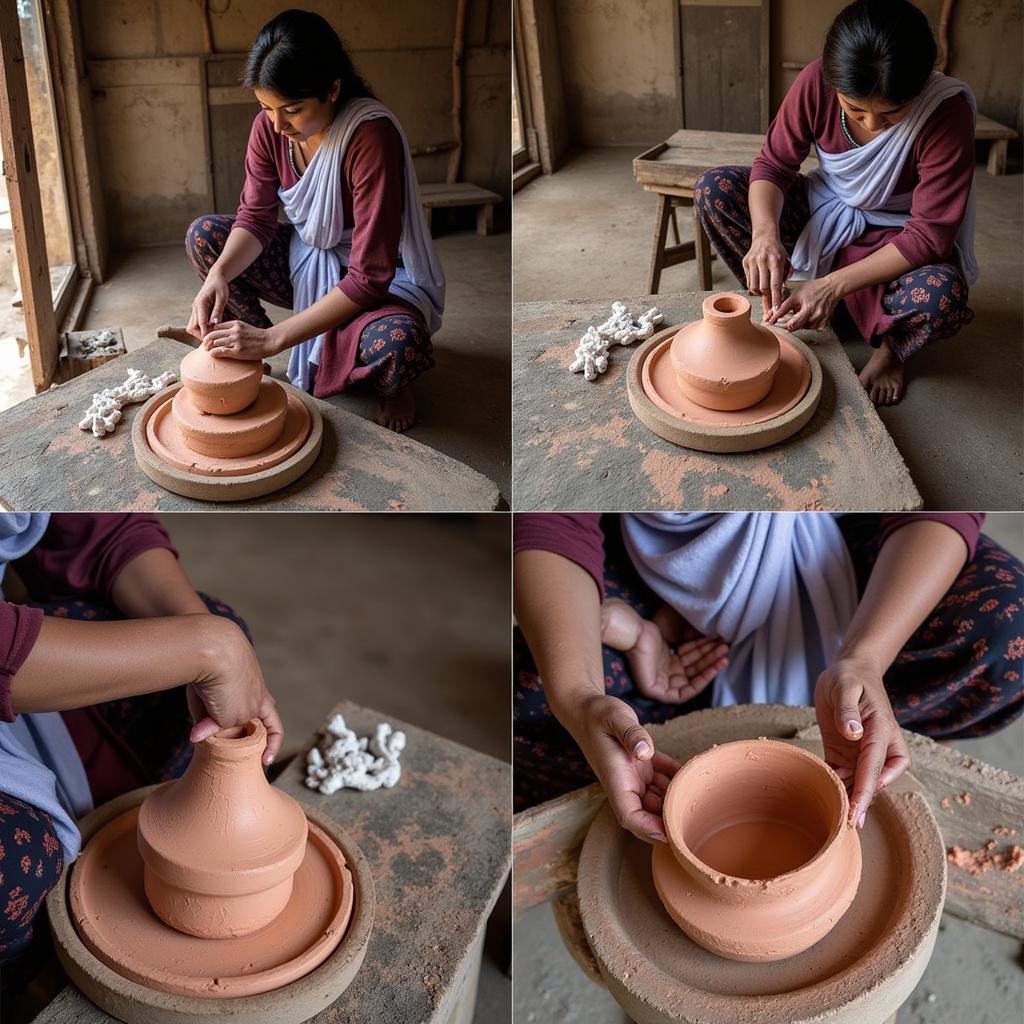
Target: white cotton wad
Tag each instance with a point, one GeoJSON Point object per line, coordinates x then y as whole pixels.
{"type": "Point", "coordinates": [102, 416]}
{"type": "Point", "coordinates": [342, 760]}
{"type": "Point", "coordinates": [621, 328]}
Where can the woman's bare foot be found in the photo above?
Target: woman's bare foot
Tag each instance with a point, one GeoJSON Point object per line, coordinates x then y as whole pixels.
{"type": "Point", "coordinates": [397, 412]}
{"type": "Point", "coordinates": [883, 376]}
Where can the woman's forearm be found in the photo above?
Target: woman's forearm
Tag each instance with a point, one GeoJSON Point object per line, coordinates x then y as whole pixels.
{"type": "Point", "coordinates": [915, 568]}
{"type": "Point", "coordinates": [154, 584]}
{"type": "Point", "coordinates": [558, 608]}
{"type": "Point", "coordinates": [881, 267]}
{"type": "Point", "coordinates": [74, 664]}
{"type": "Point", "coordinates": [333, 310]}
{"type": "Point", "coordinates": [766, 200]}
{"type": "Point", "coordinates": [240, 250]}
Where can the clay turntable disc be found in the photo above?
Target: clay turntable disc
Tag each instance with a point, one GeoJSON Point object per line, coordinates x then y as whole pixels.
{"type": "Point", "coordinates": [661, 406]}
{"type": "Point", "coordinates": [859, 973]}
{"type": "Point", "coordinates": [124, 958]}
{"type": "Point", "coordinates": [163, 457]}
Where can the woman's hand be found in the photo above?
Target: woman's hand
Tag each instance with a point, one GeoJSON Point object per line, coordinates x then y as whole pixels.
{"type": "Point", "coordinates": [767, 267]}
{"type": "Point", "coordinates": [810, 305]}
{"type": "Point", "coordinates": [208, 305]}
{"type": "Point", "coordinates": [238, 340]}
{"type": "Point", "coordinates": [863, 742]}
{"type": "Point", "coordinates": [669, 674]}
{"type": "Point", "coordinates": [621, 752]}
{"type": "Point", "coordinates": [230, 690]}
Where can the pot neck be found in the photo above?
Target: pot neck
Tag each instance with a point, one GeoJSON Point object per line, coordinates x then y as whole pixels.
{"type": "Point", "coordinates": [727, 310]}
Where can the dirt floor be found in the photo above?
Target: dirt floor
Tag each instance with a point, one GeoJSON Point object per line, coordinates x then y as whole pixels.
{"type": "Point", "coordinates": [464, 403]}
{"type": "Point", "coordinates": [585, 232]}
{"type": "Point", "coordinates": [974, 975]}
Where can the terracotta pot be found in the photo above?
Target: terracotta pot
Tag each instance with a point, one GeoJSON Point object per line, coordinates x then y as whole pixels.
{"type": "Point", "coordinates": [220, 386]}
{"type": "Point", "coordinates": [252, 430]}
{"type": "Point", "coordinates": [761, 861]}
{"type": "Point", "coordinates": [725, 361]}
{"type": "Point", "coordinates": [220, 845]}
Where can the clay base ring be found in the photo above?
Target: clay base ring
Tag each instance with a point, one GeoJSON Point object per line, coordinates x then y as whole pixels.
{"type": "Point", "coordinates": [135, 1003]}
{"type": "Point", "coordinates": [220, 487]}
{"type": "Point", "coordinates": [859, 973]}
{"type": "Point", "coordinates": [722, 432]}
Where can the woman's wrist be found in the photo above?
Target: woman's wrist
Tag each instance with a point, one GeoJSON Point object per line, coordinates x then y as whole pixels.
{"type": "Point", "coordinates": [571, 705]}
{"type": "Point", "coordinates": [764, 231]}
{"type": "Point", "coordinates": [864, 656]}
{"type": "Point", "coordinates": [277, 339]}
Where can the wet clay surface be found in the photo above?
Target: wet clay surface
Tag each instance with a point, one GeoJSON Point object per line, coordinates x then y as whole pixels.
{"type": "Point", "coordinates": [789, 385]}
{"type": "Point", "coordinates": [578, 445]}
{"type": "Point", "coordinates": [883, 938]}
{"type": "Point", "coordinates": [115, 921]}
{"type": "Point", "coordinates": [47, 462]}
{"type": "Point", "coordinates": [166, 440]}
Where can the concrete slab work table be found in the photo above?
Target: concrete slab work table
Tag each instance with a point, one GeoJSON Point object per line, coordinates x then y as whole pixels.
{"type": "Point", "coordinates": [46, 462]}
{"type": "Point", "coordinates": [440, 850]}
{"type": "Point", "coordinates": [578, 446]}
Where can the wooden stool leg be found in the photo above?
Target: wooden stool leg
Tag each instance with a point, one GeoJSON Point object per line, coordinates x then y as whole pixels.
{"type": "Point", "coordinates": [485, 219]}
{"type": "Point", "coordinates": [997, 156]}
{"type": "Point", "coordinates": [702, 250]}
{"type": "Point", "coordinates": [675, 223]}
{"type": "Point", "coordinates": [658, 251]}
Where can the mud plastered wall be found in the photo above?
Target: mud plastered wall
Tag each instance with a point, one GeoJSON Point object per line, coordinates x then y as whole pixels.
{"type": "Point", "coordinates": [172, 123]}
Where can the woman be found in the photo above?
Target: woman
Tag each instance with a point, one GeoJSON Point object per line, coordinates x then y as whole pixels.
{"type": "Point", "coordinates": [99, 630]}
{"type": "Point", "coordinates": [879, 621]}
{"type": "Point", "coordinates": [885, 224]}
{"type": "Point", "coordinates": [354, 260]}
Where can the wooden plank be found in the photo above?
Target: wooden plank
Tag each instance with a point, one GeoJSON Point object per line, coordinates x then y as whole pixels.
{"type": "Point", "coordinates": [457, 194]}
{"type": "Point", "coordinates": [19, 161]}
{"type": "Point", "coordinates": [47, 462]}
{"type": "Point", "coordinates": [986, 128]}
{"type": "Point", "coordinates": [723, 65]}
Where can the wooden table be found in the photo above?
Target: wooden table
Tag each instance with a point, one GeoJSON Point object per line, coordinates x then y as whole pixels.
{"type": "Point", "coordinates": [439, 848]}
{"type": "Point", "coordinates": [578, 446]}
{"type": "Point", "coordinates": [669, 170]}
{"type": "Point", "coordinates": [46, 462]}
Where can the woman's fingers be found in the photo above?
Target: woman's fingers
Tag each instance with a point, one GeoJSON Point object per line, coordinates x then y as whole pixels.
{"type": "Point", "coordinates": [203, 729]}
{"type": "Point", "coordinates": [897, 761]}
{"type": "Point", "coordinates": [622, 723]}
{"type": "Point", "coordinates": [865, 785]}
{"type": "Point", "coordinates": [628, 808]}
{"type": "Point", "coordinates": [846, 698]}
{"type": "Point", "coordinates": [275, 733]}
{"type": "Point", "coordinates": [664, 764]}
{"type": "Point", "coordinates": [777, 269]}
{"type": "Point", "coordinates": [784, 308]}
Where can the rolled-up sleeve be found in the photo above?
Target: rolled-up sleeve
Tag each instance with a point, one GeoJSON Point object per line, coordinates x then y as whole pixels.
{"type": "Point", "coordinates": [576, 536]}
{"type": "Point", "coordinates": [967, 524]}
{"type": "Point", "coordinates": [19, 630]}
{"type": "Point", "coordinates": [791, 132]}
{"type": "Point", "coordinates": [83, 553]}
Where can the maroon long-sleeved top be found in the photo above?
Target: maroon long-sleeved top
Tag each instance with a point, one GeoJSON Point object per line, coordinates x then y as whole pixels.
{"type": "Point", "coordinates": [580, 537]}
{"type": "Point", "coordinates": [80, 555]}
{"type": "Point", "coordinates": [939, 171]}
{"type": "Point", "coordinates": [372, 196]}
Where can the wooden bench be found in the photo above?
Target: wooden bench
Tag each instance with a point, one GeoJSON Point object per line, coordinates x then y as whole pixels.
{"type": "Point", "coordinates": [461, 193]}
{"type": "Point", "coordinates": [999, 135]}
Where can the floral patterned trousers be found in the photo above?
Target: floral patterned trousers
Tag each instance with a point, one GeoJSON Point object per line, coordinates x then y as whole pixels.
{"type": "Point", "coordinates": [958, 676]}
{"type": "Point", "coordinates": [151, 730]}
{"type": "Point", "coordinates": [925, 304]}
{"type": "Point", "coordinates": [395, 346]}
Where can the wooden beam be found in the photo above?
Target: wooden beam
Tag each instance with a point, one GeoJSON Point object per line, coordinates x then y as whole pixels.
{"type": "Point", "coordinates": [19, 165]}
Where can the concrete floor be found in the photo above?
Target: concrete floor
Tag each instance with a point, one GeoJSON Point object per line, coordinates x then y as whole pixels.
{"type": "Point", "coordinates": [407, 615]}
{"type": "Point", "coordinates": [585, 232]}
{"type": "Point", "coordinates": [464, 402]}
{"type": "Point", "coordinates": [974, 975]}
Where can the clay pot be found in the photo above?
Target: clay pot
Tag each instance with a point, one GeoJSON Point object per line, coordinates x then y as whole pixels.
{"type": "Point", "coordinates": [761, 861]}
{"type": "Point", "coordinates": [220, 386]}
{"type": "Point", "coordinates": [220, 845]}
{"type": "Point", "coordinates": [725, 361]}
{"type": "Point", "coordinates": [252, 430]}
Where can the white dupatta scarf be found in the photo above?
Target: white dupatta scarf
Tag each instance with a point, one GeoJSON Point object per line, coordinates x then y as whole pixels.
{"type": "Point", "coordinates": [851, 190]}
{"type": "Point", "coordinates": [322, 243]}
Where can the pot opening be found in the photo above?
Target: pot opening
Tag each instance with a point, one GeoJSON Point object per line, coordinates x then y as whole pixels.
{"type": "Point", "coordinates": [237, 732]}
{"type": "Point", "coordinates": [727, 304]}
{"type": "Point", "coordinates": [763, 818]}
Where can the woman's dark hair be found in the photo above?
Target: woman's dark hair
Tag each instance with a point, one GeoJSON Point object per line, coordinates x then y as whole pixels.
{"type": "Point", "coordinates": [297, 55]}
{"type": "Point", "coordinates": [879, 48]}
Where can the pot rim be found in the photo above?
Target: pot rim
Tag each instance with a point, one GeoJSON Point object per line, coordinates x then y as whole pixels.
{"type": "Point", "coordinates": [689, 860]}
